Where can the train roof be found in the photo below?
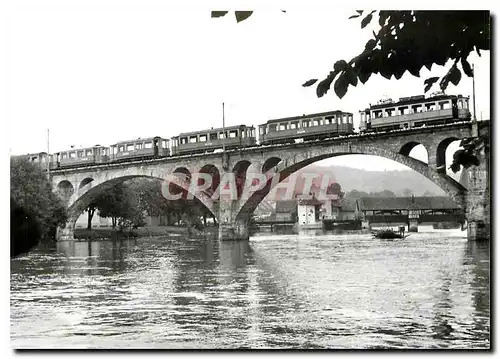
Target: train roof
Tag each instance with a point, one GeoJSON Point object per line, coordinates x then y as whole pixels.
{"type": "Point", "coordinates": [227, 128]}
{"type": "Point", "coordinates": [81, 149]}
{"type": "Point", "coordinates": [412, 100]}
{"type": "Point", "coordinates": [139, 140]}
{"type": "Point", "coordinates": [312, 115]}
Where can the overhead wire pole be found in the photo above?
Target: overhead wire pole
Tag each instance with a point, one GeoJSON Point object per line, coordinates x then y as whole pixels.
{"type": "Point", "coordinates": [48, 156]}
{"type": "Point", "coordinates": [223, 130]}
{"type": "Point", "coordinates": [474, 93]}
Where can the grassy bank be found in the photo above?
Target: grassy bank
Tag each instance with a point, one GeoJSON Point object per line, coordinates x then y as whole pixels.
{"type": "Point", "coordinates": [149, 231]}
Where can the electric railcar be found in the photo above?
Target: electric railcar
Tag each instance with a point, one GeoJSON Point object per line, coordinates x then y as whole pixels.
{"type": "Point", "coordinates": [213, 139]}
{"type": "Point", "coordinates": [308, 127]}
{"type": "Point", "coordinates": [415, 111]}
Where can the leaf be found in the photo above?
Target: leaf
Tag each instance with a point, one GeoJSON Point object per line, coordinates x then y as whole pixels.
{"type": "Point", "coordinates": [455, 75]}
{"type": "Point", "coordinates": [341, 85]}
{"type": "Point", "coordinates": [340, 65]}
{"type": "Point", "coordinates": [429, 82]}
{"type": "Point", "coordinates": [242, 15]}
{"type": "Point", "coordinates": [354, 16]}
{"type": "Point", "coordinates": [219, 13]}
{"type": "Point", "coordinates": [364, 75]}
{"type": "Point", "coordinates": [309, 82]}
{"type": "Point", "coordinates": [383, 15]}
{"type": "Point", "coordinates": [443, 84]}
{"type": "Point", "coordinates": [359, 12]}
{"type": "Point", "coordinates": [366, 20]}
{"type": "Point", "coordinates": [466, 67]}
{"type": "Point", "coordinates": [370, 45]}
{"type": "Point", "coordinates": [353, 79]}
{"type": "Point", "coordinates": [324, 86]}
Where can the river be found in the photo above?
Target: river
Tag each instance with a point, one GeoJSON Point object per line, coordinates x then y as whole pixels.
{"type": "Point", "coordinates": [307, 291]}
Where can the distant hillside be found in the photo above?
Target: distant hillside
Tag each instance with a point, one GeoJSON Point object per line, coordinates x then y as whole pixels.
{"type": "Point", "coordinates": [376, 181]}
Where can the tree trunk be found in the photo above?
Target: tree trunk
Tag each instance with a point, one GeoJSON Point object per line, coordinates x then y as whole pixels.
{"type": "Point", "coordinates": [204, 219]}
{"type": "Point", "coordinates": [89, 218]}
{"type": "Point", "coordinates": [113, 222]}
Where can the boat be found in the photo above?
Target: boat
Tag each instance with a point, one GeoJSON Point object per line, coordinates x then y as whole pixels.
{"type": "Point", "coordinates": [388, 234]}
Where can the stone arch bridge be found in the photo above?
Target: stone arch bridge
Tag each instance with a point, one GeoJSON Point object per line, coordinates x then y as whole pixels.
{"type": "Point", "coordinates": [78, 186]}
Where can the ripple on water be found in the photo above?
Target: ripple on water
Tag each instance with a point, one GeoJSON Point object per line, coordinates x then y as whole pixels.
{"type": "Point", "coordinates": [276, 291]}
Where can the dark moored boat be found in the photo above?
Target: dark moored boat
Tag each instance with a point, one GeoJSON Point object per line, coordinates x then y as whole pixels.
{"type": "Point", "coordinates": [388, 234]}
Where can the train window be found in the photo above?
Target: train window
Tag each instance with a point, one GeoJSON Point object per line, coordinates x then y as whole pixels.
{"type": "Point", "coordinates": [138, 146]}
{"type": "Point", "coordinates": [404, 110]}
{"type": "Point", "coordinates": [242, 134]}
{"type": "Point", "coordinates": [233, 134]}
{"type": "Point", "coordinates": [221, 135]}
{"type": "Point", "coordinates": [64, 156]}
{"type": "Point", "coordinates": [130, 147]}
{"type": "Point", "coordinates": [293, 126]}
{"type": "Point", "coordinates": [203, 138]}
{"type": "Point", "coordinates": [164, 144]}
{"type": "Point", "coordinates": [72, 155]}
{"type": "Point", "coordinates": [148, 145]}
{"type": "Point", "coordinates": [103, 151]}
{"type": "Point", "coordinates": [444, 105]}
{"type": "Point", "coordinates": [281, 127]}
{"type": "Point", "coordinates": [213, 136]}
{"type": "Point", "coordinates": [305, 123]}
{"type": "Point", "coordinates": [192, 139]}
{"type": "Point", "coordinates": [89, 152]}
{"type": "Point", "coordinates": [80, 154]}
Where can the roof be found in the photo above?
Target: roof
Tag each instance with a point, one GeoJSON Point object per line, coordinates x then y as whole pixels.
{"type": "Point", "coordinates": [310, 202]}
{"type": "Point", "coordinates": [81, 149]}
{"type": "Point", "coordinates": [135, 140]}
{"type": "Point", "coordinates": [289, 206]}
{"type": "Point", "coordinates": [227, 128]}
{"type": "Point", "coordinates": [412, 100]}
{"type": "Point", "coordinates": [312, 115]}
{"type": "Point", "coordinates": [397, 203]}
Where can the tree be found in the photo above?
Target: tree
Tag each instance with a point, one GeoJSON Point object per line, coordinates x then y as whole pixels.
{"type": "Point", "coordinates": [407, 192]}
{"type": "Point", "coordinates": [35, 209]}
{"type": "Point", "coordinates": [90, 214]}
{"type": "Point", "coordinates": [410, 40]}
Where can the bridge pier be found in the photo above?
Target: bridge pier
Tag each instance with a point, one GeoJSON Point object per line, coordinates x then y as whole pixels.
{"type": "Point", "coordinates": [413, 225]}
{"type": "Point", "coordinates": [65, 234]}
{"type": "Point", "coordinates": [237, 231]}
{"type": "Point", "coordinates": [230, 228]}
{"type": "Point", "coordinates": [478, 200]}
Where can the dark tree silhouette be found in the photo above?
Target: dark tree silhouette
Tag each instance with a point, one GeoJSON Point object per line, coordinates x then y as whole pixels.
{"type": "Point", "coordinates": [410, 40]}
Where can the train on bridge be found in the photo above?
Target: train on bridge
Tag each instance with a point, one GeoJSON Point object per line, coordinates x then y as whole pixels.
{"type": "Point", "coordinates": [386, 115]}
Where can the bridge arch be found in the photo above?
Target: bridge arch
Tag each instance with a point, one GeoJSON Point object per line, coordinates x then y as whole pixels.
{"type": "Point", "coordinates": [308, 156]}
{"type": "Point", "coordinates": [270, 163]}
{"type": "Point", "coordinates": [409, 146]}
{"type": "Point", "coordinates": [85, 182]}
{"type": "Point", "coordinates": [81, 203]}
{"type": "Point", "coordinates": [65, 190]}
{"type": "Point", "coordinates": [441, 153]}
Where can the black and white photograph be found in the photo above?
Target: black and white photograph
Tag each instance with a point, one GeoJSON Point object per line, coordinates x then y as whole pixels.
{"type": "Point", "coordinates": [202, 177]}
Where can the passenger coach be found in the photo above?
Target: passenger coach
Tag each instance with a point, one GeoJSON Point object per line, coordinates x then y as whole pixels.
{"type": "Point", "coordinates": [83, 156]}
{"type": "Point", "coordinates": [213, 139]}
{"type": "Point", "coordinates": [308, 127]}
{"type": "Point", "coordinates": [140, 148]}
{"type": "Point", "coordinates": [415, 111]}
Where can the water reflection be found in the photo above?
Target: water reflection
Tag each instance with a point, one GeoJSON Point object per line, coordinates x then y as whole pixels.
{"type": "Point", "coordinates": [275, 291]}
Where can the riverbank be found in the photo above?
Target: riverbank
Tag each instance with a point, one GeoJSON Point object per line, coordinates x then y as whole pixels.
{"type": "Point", "coordinates": [149, 231]}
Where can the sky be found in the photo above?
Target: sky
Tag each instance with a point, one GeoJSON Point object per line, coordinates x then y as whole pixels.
{"type": "Point", "coordinates": [98, 73]}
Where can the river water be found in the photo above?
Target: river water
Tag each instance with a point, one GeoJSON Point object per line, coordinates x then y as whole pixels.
{"type": "Point", "coordinates": [305, 291]}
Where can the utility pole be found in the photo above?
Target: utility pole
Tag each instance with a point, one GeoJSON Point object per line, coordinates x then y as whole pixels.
{"type": "Point", "coordinates": [48, 156]}
{"type": "Point", "coordinates": [224, 156]}
{"type": "Point", "coordinates": [475, 131]}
